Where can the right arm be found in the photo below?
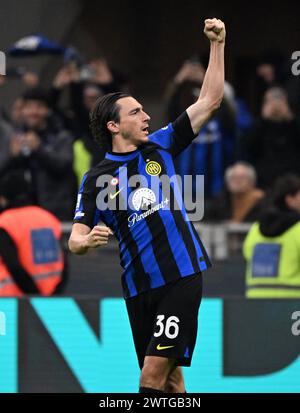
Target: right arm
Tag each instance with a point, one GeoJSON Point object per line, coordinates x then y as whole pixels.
{"type": "Point", "coordinates": [186, 127]}
{"type": "Point", "coordinates": [83, 238]}
{"type": "Point", "coordinates": [212, 90]}
{"type": "Point", "coordinates": [86, 233]}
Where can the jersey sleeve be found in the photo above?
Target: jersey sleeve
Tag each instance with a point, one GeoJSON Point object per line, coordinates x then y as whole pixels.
{"type": "Point", "coordinates": [86, 211]}
{"type": "Point", "coordinates": [176, 136]}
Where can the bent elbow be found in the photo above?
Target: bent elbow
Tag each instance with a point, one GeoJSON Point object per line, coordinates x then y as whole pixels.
{"type": "Point", "coordinates": [215, 104]}
{"type": "Point", "coordinates": [71, 246]}
{"type": "Point", "coordinates": [75, 248]}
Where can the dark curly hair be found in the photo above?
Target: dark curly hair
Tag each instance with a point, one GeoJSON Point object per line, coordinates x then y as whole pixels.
{"type": "Point", "coordinates": [37, 93]}
{"type": "Point", "coordinates": [288, 184]}
{"type": "Point", "coordinates": [105, 110]}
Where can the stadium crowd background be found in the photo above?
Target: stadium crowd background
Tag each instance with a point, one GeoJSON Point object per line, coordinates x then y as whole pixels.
{"type": "Point", "coordinates": [46, 97]}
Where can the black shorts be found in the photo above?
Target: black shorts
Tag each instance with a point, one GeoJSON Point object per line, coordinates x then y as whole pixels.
{"type": "Point", "coordinates": [164, 321]}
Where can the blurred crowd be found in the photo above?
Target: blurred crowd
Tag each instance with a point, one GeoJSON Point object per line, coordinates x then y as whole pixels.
{"type": "Point", "coordinates": [241, 152]}
{"type": "Point", "coordinates": [46, 134]}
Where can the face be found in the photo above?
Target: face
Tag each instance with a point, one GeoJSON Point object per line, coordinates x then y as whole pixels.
{"type": "Point", "coordinates": [293, 202]}
{"type": "Point", "coordinates": [3, 203]}
{"type": "Point", "coordinates": [266, 71]}
{"type": "Point", "coordinates": [134, 122]}
{"type": "Point", "coordinates": [90, 95]}
{"type": "Point", "coordinates": [239, 180]}
{"type": "Point", "coordinates": [17, 111]}
{"type": "Point", "coordinates": [275, 102]}
{"type": "Point", "coordinates": [35, 113]}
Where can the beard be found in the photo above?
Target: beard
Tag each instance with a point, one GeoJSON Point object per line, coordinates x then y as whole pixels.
{"type": "Point", "coordinates": [133, 139]}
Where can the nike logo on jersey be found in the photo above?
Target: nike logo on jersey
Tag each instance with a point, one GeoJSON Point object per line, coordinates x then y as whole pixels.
{"type": "Point", "coordinates": [159, 347]}
{"type": "Point", "coordinates": [112, 196]}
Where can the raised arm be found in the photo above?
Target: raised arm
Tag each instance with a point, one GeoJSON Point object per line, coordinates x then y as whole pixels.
{"type": "Point", "coordinates": [212, 90]}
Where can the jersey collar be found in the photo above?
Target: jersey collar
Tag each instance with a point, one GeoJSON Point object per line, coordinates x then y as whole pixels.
{"type": "Point", "coordinates": [121, 156]}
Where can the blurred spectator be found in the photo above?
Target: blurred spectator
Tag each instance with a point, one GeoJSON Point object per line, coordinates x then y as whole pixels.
{"type": "Point", "coordinates": [85, 85]}
{"type": "Point", "coordinates": [213, 149]}
{"type": "Point", "coordinates": [3, 114]}
{"type": "Point", "coordinates": [293, 91]}
{"type": "Point", "coordinates": [183, 89]}
{"type": "Point", "coordinates": [108, 79]}
{"type": "Point", "coordinates": [87, 151]}
{"type": "Point", "coordinates": [6, 132]}
{"type": "Point", "coordinates": [272, 145]}
{"type": "Point", "coordinates": [240, 200]}
{"type": "Point", "coordinates": [243, 118]}
{"type": "Point", "coordinates": [31, 259]}
{"type": "Point", "coordinates": [269, 73]}
{"type": "Point", "coordinates": [272, 247]}
{"type": "Point", "coordinates": [16, 113]}
{"type": "Point", "coordinates": [44, 150]}
{"type": "Point", "coordinates": [30, 79]}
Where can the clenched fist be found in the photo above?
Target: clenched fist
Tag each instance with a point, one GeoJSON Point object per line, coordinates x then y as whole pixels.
{"type": "Point", "coordinates": [214, 29]}
{"type": "Point", "coordinates": [98, 236]}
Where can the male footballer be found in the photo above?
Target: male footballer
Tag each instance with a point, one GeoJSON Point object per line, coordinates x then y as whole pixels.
{"type": "Point", "coordinates": [160, 251]}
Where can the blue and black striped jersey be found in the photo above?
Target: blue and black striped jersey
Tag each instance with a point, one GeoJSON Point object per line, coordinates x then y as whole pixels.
{"type": "Point", "coordinates": [158, 244]}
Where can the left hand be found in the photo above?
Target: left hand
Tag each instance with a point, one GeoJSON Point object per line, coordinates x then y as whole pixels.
{"type": "Point", "coordinates": [32, 140]}
{"type": "Point", "coordinates": [214, 29]}
{"type": "Point", "coordinates": [16, 144]}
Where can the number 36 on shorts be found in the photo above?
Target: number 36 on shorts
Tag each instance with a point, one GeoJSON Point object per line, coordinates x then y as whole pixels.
{"type": "Point", "coordinates": [168, 326]}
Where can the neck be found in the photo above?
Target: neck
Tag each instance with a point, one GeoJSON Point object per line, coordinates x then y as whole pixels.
{"type": "Point", "coordinates": [121, 145]}
{"type": "Point", "coordinates": [246, 192]}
